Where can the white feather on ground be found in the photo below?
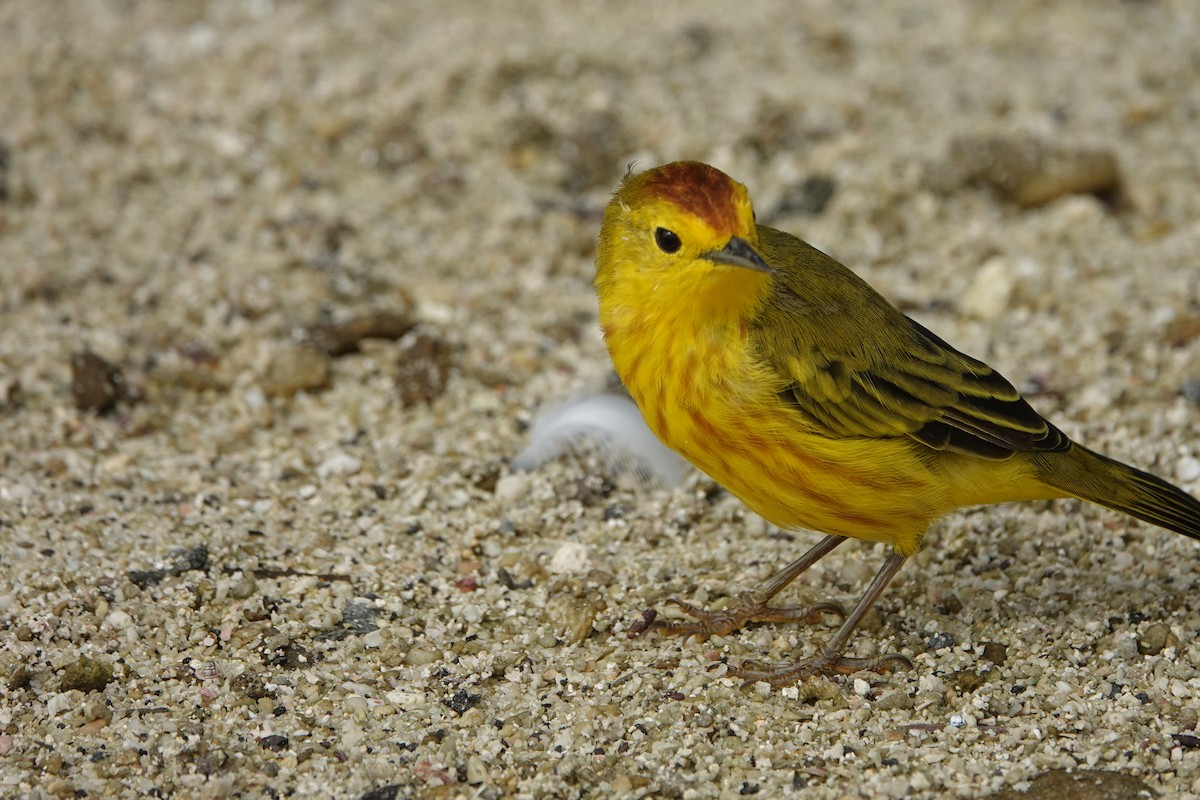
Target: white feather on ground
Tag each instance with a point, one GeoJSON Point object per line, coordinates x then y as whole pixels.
{"type": "Point", "coordinates": [613, 428]}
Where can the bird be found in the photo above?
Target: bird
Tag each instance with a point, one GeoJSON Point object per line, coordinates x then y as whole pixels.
{"type": "Point", "coordinates": [796, 386]}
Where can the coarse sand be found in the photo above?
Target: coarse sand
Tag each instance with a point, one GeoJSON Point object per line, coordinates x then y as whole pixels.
{"type": "Point", "coordinates": [284, 285]}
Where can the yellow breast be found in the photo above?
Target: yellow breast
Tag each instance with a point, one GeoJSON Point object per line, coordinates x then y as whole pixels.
{"type": "Point", "coordinates": [705, 394]}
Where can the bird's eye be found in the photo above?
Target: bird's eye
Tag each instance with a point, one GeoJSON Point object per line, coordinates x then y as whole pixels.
{"type": "Point", "coordinates": [667, 241]}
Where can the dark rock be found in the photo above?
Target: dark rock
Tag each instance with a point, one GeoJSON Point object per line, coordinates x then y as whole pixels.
{"type": "Point", "coordinates": [810, 197]}
{"type": "Point", "coordinates": [1030, 172]}
{"type": "Point", "coordinates": [341, 338]}
{"type": "Point", "coordinates": [423, 366]}
{"type": "Point", "coordinates": [274, 742]}
{"type": "Point", "coordinates": [96, 385]}
{"type": "Point", "coordinates": [1087, 784]}
{"type": "Point", "coordinates": [86, 675]}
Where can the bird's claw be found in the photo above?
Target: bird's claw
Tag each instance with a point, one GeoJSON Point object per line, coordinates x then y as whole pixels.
{"type": "Point", "coordinates": [751, 607]}
{"type": "Point", "coordinates": [780, 675]}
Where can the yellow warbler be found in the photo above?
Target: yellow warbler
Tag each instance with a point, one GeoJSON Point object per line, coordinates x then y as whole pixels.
{"type": "Point", "coordinates": [796, 386]}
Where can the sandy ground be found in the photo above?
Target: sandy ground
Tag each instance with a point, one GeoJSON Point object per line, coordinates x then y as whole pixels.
{"type": "Point", "coordinates": [232, 564]}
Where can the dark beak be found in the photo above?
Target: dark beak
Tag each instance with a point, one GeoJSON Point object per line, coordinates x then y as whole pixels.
{"type": "Point", "coordinates": [737, 253]}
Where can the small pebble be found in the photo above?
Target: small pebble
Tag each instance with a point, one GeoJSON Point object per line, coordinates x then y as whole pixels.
{"type": "Point", "coordinates": [968, 680]}
{"type": "Point", "coordinates": [339, 465]}
{"type": "Point", "coordinates": [96, 385]}
{"type": "Point", "coordinates": [118, 620]}
{"type": "Point", "coordinates": [184, 559]}
{"type": "Point", "coordinates": [1084, 784]}
{"type": "Point", "coordinates": [423, 366]}
{"type": "Point", "coordinates": [1187, 741]}
{"type": "Point", "coordinates": [810, 197]}
{"type": "Point", "coordinates": [462, 701]}
{"type": "Point", "coordinates": [572, 616]}
{"type": "Point", "coordinates": [895, 699]}
{"type": "Point", "coordinates": [241, 586]}
{"type": "Point", "coordinates": [297, 369]}
{"type": "Point", "coordinates": [273, 742]}
{"type": "Point", "coordinates": [86, 675]}
{"type": "Point", "coordinates": [477, 772]}
{"type": "Point", "coordinates": [570, 557]}
{"type": "Point", "coordinates": [19, 677]}
{"type": "Point", "coordinates": [1187, 469]}
{"type": "Point", "coordinates": [991, 290]}
{"type": "Point", "coordinates": [1182, 330]}
{"type": "Point", "coordinates": [422, 655]}
{"type": "Point", "coordinates": [995, 652]}
{"type": "Point", "coordinates": [510, 488]}
{"type": "Point", "coordinates": [1191, 390]}
{"type": "Point", "coordinates": [939, 640]}
{"type": "Point", "coordinates": [12, 396]}
{"type": "Point", "coordinates": [1156, 638]}
{"type": "Point", "coordinates": [61, 788]}
{"type": "Point", "coordinates": [341, 338]}
{"type": "Point", "coordinates": [1030, 172]}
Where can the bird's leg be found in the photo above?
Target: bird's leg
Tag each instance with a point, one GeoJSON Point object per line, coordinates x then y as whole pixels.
{"type": "Point", "coordinates": [831, 658]}
{"type": "Point", "coordinates": [752, 606]}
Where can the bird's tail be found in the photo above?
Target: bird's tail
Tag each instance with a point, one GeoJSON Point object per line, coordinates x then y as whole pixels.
{"type": "Point", "coordinates": [1081, 473]}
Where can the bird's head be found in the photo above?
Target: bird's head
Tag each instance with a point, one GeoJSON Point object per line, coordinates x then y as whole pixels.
{"type": "Point", "coordinates": [683, 233]}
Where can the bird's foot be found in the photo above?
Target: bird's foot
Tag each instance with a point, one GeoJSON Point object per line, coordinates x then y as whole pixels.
{"type": "Point", "coordinates": [751, 607]}
{"type": "Point", "coordinates": [784, 674]}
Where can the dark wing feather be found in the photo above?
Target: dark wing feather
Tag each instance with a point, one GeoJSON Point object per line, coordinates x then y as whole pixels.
{"type": "Point", "coordinates": [887, 375]}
